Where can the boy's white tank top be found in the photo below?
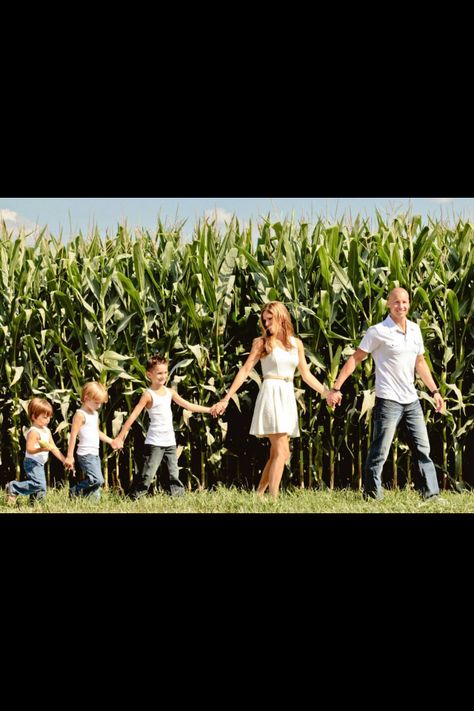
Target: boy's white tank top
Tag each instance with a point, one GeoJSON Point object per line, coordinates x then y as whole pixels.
{"type": "Point", "coordinates": [89, 434]}
{"type": "Point", "coordinates": [41, 457]}
{"type": "Point", "coordinates": [160, 431]}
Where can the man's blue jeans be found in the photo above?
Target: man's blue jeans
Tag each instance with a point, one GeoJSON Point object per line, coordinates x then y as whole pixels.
{"type": "Point", "coordinates": [154, 455]}
{"type": "Point", "coordinates": [386, 416]}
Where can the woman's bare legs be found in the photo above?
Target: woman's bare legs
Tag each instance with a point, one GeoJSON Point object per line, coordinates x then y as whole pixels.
{"type": "Point", "coordinates": [263, 483]}
{"type": "Point", "coordinates": [273, 471]}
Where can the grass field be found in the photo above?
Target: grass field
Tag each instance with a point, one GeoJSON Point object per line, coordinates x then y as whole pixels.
{"type": "Point", "coordinates": [231, 500]}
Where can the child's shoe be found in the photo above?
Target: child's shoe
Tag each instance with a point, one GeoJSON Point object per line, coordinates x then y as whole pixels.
{"type": "Point", "coordinates": [11, 497]}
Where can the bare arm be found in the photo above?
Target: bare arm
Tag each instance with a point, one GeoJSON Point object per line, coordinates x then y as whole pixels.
{"type": "Point", "coordinates": [349, 366]}
{"type": "Point", "coordinates": [192, 406]}
{"type": "Point", "coordinates": [144, 401]}
{"type": "Point", "coordinates": [54, 450]}
{"type": "Point", "coordinates": [306, 374]}
{"type": "Point", "coordinates": [105, 437]}
{"type": "Point", "coordinates": [334, 398]}
{"type": "Point", "coordinates": [421, 367]}
{"type": "Point", "coordinates": [32, 440]}
{"type": "Point", "coordinates": [242, 375]}
{"type": "Point", "coordinates": [77, 422]}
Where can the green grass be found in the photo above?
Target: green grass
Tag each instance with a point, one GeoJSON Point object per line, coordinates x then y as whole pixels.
{"type": "Point", "coordinates": [232, 500]}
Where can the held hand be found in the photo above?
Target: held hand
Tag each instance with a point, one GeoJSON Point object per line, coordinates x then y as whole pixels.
{"type": "Point", "coordinates": [219, 408]}
{"type": "Point", "coordinates": [333, 399]}
{"type": "Point", "coordinates": [117, 443]}
{"type": "Point", "coordinates": [222, 405]}
{"type": "Point", "coordinates": [215, 410]}
{"type": "Point", "coordinates": [439, 402]}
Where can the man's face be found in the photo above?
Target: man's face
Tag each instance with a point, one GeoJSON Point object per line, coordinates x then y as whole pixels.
{"type": "Point", "coordinates": [398, 303]}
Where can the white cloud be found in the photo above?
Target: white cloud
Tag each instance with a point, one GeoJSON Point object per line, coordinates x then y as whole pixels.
{"type": "Point", "coordinates": [441, 201]}
{"type": "Point", "coordinates": [8, 215]}
{"type": "Point", "coordinates": [16, 223]}
{"type": "Point", "coordinates": [221, 216]}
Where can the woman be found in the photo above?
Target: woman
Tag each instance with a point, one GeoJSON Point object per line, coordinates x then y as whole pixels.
{"type": "Point", "coordinates": [275, 415]}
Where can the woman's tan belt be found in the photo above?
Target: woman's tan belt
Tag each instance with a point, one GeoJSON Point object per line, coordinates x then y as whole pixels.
{"type": "Point", "coordinates": [278, 377]}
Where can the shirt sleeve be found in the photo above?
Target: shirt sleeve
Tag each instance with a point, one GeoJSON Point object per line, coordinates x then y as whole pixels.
{"type": "Point", "coordinates": [370, 341]}
{"type": "Point", "coordinates": [421, 348]}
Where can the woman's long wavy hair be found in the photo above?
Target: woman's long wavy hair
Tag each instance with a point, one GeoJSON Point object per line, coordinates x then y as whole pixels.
{"type": "Point", "coordinates": [281, 323]}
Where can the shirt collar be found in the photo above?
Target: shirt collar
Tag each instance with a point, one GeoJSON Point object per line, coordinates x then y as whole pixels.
{"type": "Point", "coordinates": [391, 324]}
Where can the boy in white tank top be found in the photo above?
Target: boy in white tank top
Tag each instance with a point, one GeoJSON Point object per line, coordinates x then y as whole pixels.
{"type": "Point", "coordinates": [85, 425]}
{"type": "Point", "coordinates": [160, 442]}
{"type": "Point", "coordinates": [39, 443]}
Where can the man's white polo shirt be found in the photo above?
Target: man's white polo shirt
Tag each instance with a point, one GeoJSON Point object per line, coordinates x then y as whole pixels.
{"type": "Point", "coordinates": [394, 354]}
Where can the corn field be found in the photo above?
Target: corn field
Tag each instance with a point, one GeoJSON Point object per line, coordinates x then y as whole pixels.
{"type": "Point", "coordinates": [95, 308]}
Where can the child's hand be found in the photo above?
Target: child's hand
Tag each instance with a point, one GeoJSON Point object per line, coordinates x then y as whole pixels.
{"type": "Point", "coordinates": [219, 408]}
{"type": "Point", "coordinates": [117, 443]}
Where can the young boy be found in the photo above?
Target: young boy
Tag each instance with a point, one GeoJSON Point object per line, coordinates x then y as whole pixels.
{"type": "Point", "coordinates": [85, 425]}
{"type": "Point", "coordinates": [39, 443]}
{"type": "Point", "coordinates": [160, 442]}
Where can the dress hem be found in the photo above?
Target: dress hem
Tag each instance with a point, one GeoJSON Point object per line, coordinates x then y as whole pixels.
{"type": "Point", "coordinates": [270, 433]}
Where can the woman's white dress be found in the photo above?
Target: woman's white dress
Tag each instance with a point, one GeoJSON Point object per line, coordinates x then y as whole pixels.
{"type": "Point", "coordinates": [275, 409]}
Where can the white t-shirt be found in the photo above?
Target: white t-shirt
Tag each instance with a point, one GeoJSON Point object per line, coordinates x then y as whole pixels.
{"type": "Point", "coordinates": [394, 354]}
{"type": "Point", "coordinates": [44, 432]}
{"type": "Point", "coordinates": [88, 434]}
{"type": "Point", "coordinates": [160, 431]}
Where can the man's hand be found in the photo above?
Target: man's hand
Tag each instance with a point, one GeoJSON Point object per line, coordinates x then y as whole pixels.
{"type": "Point", "coordinates": [334, 398]}
{"type": "Point", "coordinates": [439, 402]}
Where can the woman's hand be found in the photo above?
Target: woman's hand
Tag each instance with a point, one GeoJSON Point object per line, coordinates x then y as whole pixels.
{"type": "Point", "coordinates": [333, 398]}
{"type": "Point", "coordinates": [219, 408]}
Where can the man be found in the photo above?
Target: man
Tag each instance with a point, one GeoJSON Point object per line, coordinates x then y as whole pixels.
{"type": "Point", "coordinates": [396, 345]}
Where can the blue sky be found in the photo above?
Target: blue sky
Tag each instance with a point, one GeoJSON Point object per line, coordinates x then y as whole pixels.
{"type": "Point", "coordinates": [82, 213]}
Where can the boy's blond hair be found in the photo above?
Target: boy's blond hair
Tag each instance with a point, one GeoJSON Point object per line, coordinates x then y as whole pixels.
{"type": "Point", "coordinates": [37, 406]}
{"type": "Point", "coordinates": [94, 391]}
{"type": "Point", "coordinates": [155, 359]}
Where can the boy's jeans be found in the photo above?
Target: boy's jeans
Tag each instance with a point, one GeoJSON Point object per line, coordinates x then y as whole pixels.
{"type": "Point", "coordinates": [90, 486]}
{"type": "Point", "coordinates": [35, 485]}
{"type": "Point", "coordinates": [154, 454]}
{"type": "Point", "coordinates": [386, 416]}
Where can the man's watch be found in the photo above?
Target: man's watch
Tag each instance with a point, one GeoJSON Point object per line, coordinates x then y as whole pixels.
{"type": "Point", "coordinates": [433, 392]}
{"type": "Point", "coordinates": [335, 390]}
